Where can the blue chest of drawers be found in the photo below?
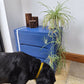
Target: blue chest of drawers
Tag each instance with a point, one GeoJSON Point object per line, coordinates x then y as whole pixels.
{"type": "Point", "coordinates": [31, 41]}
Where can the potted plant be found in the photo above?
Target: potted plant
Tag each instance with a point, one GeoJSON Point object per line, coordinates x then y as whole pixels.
{"type": "Point", "coordinates": [56, 19]}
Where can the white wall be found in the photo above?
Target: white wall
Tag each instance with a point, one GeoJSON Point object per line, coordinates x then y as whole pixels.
{"type": "Point", "coordinates": [14, 17]}
{"type": "Point", "coordinates": [33, 6]}
{"type": "Point", "coordinates": [5, 29]}
{"type": "Point", "coordinates": [74, 35]}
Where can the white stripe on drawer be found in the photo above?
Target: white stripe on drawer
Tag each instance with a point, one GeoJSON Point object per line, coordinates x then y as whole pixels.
{"type": "Point", "coordinates": [18, 42]}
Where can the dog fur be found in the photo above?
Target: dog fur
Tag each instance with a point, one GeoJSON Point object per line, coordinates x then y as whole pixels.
{"type": "Point", "coordinates": [18, 68]}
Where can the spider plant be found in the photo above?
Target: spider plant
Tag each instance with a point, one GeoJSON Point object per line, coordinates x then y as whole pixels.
{"type": "Point", "coordinates": [59, 15]}
{"type": "Point", "coordinates": [55, 19]}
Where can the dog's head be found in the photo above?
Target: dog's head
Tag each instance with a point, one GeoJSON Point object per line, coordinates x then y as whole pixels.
{"type": "Point", "coordinates": [51, 76]}
{"type": "Point", "coordinates": [47, 75]}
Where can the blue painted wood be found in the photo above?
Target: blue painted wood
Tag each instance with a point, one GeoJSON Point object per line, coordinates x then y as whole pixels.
{"type": "Point", "coordinates": [35, 51]}
{"type": "Point", "coordinates": [36, 39]}
{"type": "Point", "coordinates": [39, 29]}
{"type": "Point", "coordinates": [31, 41]}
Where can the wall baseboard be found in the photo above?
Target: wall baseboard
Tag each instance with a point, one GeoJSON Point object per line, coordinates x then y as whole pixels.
{"type": "Point", "coordinates": [74, 57]}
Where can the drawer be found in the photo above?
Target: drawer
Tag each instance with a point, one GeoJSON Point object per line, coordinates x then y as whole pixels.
{"type": "Point", "coordinates": [36, 39]}
{"type": "Point", "coordinates": [35, 51]}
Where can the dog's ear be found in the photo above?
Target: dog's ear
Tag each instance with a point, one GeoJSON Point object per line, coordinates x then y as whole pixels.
{"type": "Point", "coordinates": [51, 75]}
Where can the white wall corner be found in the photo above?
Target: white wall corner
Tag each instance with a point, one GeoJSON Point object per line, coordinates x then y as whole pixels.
{"type": "Point", "coordinates": [5, 29]}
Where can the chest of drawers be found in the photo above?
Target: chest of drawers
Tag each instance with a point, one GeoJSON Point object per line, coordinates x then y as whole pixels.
{"type": "Point", "coordinates": [32, 40]}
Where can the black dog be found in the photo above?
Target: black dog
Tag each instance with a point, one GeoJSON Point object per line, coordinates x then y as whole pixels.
{"type": "Point", "coordinates": [18, 68]}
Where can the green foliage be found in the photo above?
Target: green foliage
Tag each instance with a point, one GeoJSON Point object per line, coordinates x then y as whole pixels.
{"type": "Point", "coordinates": [59, 15]}
{"type": "Point", "coordinates": [56, 18]}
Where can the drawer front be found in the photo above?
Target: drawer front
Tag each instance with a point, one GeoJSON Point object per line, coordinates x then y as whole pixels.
{"type": "Point", "coordinates": [35, 51]}
{"type": "Point", "coordinates": [36, 39]}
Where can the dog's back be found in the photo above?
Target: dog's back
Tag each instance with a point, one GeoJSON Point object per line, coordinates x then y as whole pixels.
{"type": "Point", "coordinates": [18, 68]}
{"type": "Point", "coordinates": [10, 62]}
